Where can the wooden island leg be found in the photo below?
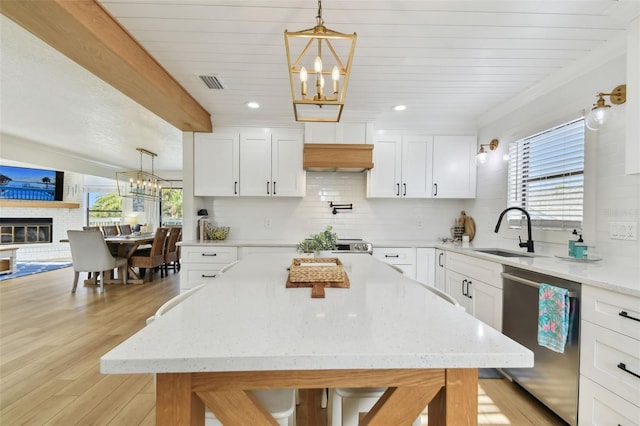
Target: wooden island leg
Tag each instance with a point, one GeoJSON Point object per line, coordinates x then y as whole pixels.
{"type": "Point", "coordinates": [457, 402]}
{"type": "Point", "coordinates": [176, 403]}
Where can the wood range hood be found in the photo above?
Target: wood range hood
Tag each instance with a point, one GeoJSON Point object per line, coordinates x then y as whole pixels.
{"type": "Point", "coordinates": [337, 157]}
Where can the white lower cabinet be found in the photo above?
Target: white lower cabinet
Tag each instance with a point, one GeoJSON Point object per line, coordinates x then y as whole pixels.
{"type": "Point", "coordinates": [403, 258]}
{"type": "Point", "coordinates": [200, 263]}
{"type": "Point", "coordinates": [609, 358]}
{"type": "Point", "coordinates": [477, 285]}
{"type": "Point", "coordinates": [599, 406]}
{"type": "Point", "coordinates": [425, 263]}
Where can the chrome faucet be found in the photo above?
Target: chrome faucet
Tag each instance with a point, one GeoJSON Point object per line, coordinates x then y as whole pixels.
{"type": "Point", "coordinates": [529, 243]}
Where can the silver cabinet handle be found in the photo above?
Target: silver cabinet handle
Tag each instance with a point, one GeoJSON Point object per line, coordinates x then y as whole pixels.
{"type": "Point", "coordinates": [440, 260]}
{"type": "Point", "coordinates": [209, 254]}
{"type": "Point", "coordinates": [268, 188]}
{"type": "Point", "coordinates": [397, 189]}
{"type": "Point", "coordinates": [404, 193]}
{"type": "Point", "coordinates": [274, 187]}
{"type": "Point", "coordinates": [208, 276]}
{"type": "Point", "coordinates": [435, 187]}
{"type": "Point", "coordinates": [235, 188]}
{"type": "Point", "coordinates": [463, 288]}
{"type": "Point", "coordinates": [391, 255]}
{"type": "Point", "coordinates": [469, 295]}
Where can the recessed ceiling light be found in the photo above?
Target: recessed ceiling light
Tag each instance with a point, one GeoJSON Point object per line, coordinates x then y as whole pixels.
{"type": "Point", "coordinates": [252, 105]}
{"type": "Point", "coordinates": [399, 107]}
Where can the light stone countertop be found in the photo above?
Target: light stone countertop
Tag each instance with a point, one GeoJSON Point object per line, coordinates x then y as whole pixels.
{"type": "Point", "coordinates": [248, 321]}
{"type": "Point", "coordinates": [606, 273]}
{"type": "Point", "coordinates": [239, 243]}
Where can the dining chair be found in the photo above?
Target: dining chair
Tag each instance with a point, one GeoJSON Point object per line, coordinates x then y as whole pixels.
{"type": "Point", "coordinates": [396, 268]}
{"type": "Point", "coordinates": [110, 230]}
{"type": "Point", "coordinates": [153, 257]}
{"type": "Point", "coordinates": [171, 250]}
{"type": "Point", "coordinates": [281, 403]}
{"type": "Point", "coordinates": [228, 266]}
{"type": "Point", "coordinates": [95, 274]}
{"type": "Point", "coordinates": [124, 229]}
{"type": "Point", "coordinates": [89, 253]}
{"type": "Point", "coordinates": [346, 404]}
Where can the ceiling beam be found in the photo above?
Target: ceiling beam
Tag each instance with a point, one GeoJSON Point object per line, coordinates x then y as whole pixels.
{"type": "Point", "coordinates": [83, 31]}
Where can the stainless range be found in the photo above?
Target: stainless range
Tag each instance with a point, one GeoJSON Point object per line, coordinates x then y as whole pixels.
{"type": "Point", "coordinates": [354, 246]}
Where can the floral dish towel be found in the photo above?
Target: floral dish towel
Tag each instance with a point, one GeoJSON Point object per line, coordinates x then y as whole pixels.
{"type": "Point", "coordinates": [553, 317]}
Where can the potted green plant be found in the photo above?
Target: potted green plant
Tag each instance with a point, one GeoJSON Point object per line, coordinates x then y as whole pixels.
{"type": "Point", "coordinates": [321, 243]}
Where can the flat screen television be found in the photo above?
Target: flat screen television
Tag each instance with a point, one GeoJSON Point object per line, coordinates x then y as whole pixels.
{"type": "Point", "coordinates": [22, 183]}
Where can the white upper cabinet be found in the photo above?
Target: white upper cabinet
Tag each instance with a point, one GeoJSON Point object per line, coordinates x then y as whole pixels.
{"type": "Point", "coordinates": [287, 174]}
{"type": "Point", "coordinates": [417, 157]}
{"type": "Point", "coordinates": [271, 165]}
{"type": "Point", "coordinates": [384, 179]}
{"type": "Point", "coordinates": [255, 165]}
{"type": "Point", "coordinates": [401, 167]}
{"type": "Point", "coordinates": [335, 132]}
{"type": "Point", "coordinates": [216, 170]}
{"type": "Point", "coordinates": [454, 166]}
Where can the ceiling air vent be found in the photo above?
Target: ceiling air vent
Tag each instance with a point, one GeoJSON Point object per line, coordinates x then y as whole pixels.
{"type": "Point", "coordinates": [212, 82]}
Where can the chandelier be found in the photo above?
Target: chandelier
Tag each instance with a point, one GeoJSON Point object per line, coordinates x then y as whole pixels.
{"type": "Point", "coordinates": [321, 104]}
{"type": "Point", "coordinates": [141, 184]}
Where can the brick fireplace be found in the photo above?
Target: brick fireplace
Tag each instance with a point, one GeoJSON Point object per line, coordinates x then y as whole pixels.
{"type": "Point", "coordinates": [26, 230]}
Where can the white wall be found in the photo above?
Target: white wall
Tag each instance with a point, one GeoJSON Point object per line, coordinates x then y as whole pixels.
{"type": "Point", "coordinates": [296, 218]}
{"type": "Point", "coordinates": [610, 195]}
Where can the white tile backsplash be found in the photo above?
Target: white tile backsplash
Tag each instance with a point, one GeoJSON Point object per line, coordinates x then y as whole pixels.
{"type": "Point", "coordinates": [371, 219]}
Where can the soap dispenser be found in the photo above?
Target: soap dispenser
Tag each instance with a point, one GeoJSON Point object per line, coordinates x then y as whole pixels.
{"type": "Point", "coordinates": [580, 249]}
{"type": "Point", "coordinates": [572, 243]}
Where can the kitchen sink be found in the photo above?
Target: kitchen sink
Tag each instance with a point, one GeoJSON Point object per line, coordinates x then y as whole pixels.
{"type": "Point", "coordinates": [504, 253]}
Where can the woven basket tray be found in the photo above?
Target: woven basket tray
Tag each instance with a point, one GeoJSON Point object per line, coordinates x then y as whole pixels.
{"type": "Point", "coordinates": [320, 274]}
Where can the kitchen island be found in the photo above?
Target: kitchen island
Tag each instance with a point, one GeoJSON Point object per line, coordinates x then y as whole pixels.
{"type": "Point", "coordinates": [247, 331]}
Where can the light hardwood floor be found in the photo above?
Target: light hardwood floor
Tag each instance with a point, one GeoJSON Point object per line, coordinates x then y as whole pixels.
{"type": "Point", "coordinates": [51, 342]}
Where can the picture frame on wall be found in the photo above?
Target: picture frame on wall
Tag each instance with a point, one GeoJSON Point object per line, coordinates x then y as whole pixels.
{"type": "Point", "coordinates": [138, 204]}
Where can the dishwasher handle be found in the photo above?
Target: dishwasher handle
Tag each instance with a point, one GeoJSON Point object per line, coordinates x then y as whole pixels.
{"type": "Point", "coordinates": [530, 283]}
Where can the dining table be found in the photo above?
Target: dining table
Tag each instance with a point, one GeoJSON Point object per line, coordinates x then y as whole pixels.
{"type": "Point", "coordinates": [247, 330]}
{"type": "Point", "coordinates": [127, 246]}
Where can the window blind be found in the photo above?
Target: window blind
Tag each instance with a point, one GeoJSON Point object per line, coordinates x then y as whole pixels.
{"type": "Point", "coordinates": [546, 177]}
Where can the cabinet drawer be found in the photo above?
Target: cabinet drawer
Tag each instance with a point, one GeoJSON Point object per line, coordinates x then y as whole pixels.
{"type": "Point", "coordinates": [396, 256]}
{"type": "Point", "coordinates": [606, 308]}
{"type": "Point", "coordinates": [602, 352]}
{"type": "Point", "coordinates": [599, 406]}
{"type": "Point", "coordinates": [200, 275]}
{"type": "Point", "coordinates": [200, 254]}
{"type": "Point", "coordinates": [480, 269]}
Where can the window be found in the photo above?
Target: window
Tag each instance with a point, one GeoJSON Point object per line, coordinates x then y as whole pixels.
{"type": "Point", "coordinates": [104, 208]}
{"type": "Point", "coordinates": [546, 177]}
{"type": "Point", "coordinates": [171, 207]}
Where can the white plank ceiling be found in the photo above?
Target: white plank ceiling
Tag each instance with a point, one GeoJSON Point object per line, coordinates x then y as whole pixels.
{"type": "Point", "coordinates": [447, 61]}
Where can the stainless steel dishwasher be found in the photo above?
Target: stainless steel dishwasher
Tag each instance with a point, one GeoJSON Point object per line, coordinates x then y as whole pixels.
{"type": "Point", "coordinates": [554, 378]}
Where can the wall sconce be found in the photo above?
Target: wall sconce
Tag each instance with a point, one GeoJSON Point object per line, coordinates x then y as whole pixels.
{"type": "Point", "coordinates": [481, 157]}
{"type": "Point", "coordinates": [601, 112]}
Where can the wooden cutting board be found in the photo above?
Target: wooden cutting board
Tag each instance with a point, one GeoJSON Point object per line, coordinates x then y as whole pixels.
{"type": "Point", "coordinates": [469, 227]}
{"type": "Point", "coordinates": [468, 223]}
{"type": "Point", "coordinates": [317, 288]}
